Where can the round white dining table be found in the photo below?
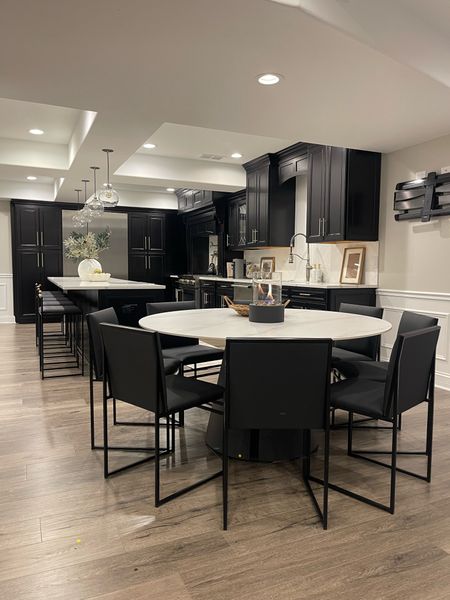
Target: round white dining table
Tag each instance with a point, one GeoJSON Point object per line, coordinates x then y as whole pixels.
{"type": "Point", "coordinates": [215, 325]}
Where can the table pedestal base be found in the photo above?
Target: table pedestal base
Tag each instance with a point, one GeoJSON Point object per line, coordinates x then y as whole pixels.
{"type": "Point", "coordinates": [267, 445]}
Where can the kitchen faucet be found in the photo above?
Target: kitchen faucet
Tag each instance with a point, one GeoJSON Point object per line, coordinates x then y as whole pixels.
{"type": "Point", "coordinates": [307, 259]}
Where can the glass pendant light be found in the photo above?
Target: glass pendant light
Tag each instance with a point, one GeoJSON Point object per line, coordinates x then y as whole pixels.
{"type": "Point", "coordinates": [85, 212]}
{"type": "Point", "coordinates": [108, 195]}
{"type": "Point", "coordinates": [94, 203]}
{"type": "Point", "coordinates": [76, 220]}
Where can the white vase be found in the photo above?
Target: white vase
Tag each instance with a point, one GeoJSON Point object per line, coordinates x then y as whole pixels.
{"type": "Point", "coordinates": [87, 266]}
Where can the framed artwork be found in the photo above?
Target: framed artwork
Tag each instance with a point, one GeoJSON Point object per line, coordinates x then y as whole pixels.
{"type": "Point", "coordinates": [267, 265]}
{"type": "Point", "coordinates": [352, 265]}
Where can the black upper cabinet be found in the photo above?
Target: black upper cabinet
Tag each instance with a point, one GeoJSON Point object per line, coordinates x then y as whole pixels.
{"type": "Point", "coordinates": [37, 252]}
{"type": "Point", "coordinates": [146, 232]}
{"type": "Point", "coordinates": [343, 194]}
{"type": "Point", "coordinates": [270, 206]}
{"type": "Point", "coordinates": [237, 221]}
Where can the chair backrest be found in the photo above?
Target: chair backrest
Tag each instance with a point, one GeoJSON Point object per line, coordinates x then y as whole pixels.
{"type": "Point", "coordinates": [107, 315]}
{"type": "Point", "coordinates": [367, 346]}
{"type": "Point", "coordinates": [411, 321]}
{"type": "Point", "coordinates": [134, 366]}
{"type": "Point", "coordinates": [172, 341]}
{"type": "Point", "coordinates": [277, 383]}
{"type": "Point", "coordinates": [411, 369]}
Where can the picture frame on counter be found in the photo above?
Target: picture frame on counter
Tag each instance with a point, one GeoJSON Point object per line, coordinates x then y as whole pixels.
{"type": "Point", "coordinates": [353, 265]}
{"type": "Point", "coordinates": [267, 265]}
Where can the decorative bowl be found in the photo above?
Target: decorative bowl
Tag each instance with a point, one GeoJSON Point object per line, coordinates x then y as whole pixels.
{"type": "Point", "coordinates": [99, 276]}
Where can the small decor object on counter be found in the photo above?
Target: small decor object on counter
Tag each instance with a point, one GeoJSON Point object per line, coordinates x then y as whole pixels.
{"type": "Point", "coordinates": [267, 265]}
{"type": "Point", "coordinates": [87, 246]}
{"type": "Point", "coordinates": [98, 275]}
{"type": "Point", "coordinates": [267, 306]}
{"type": "Point", "coordinates": [352, 265]}
{"type": "Point", "coordinates": [316, 275]}
{"type": "Point", "coordinates": [230, 269]}
{"type": "Point", "coordinates": [239, 268]}
{"type": "Point", "coordinates": [251, 269]}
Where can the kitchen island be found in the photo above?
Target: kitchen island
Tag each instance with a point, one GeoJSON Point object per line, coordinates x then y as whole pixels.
{"type": "Point", "coordinates": [128, 298]}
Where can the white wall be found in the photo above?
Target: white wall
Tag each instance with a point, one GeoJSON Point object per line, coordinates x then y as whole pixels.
{"type": "Point", "coordinates": [329, 256]}
{"type": "Point", "coordinates": [6, 289]}
{"type": "Point", "coordinates": [414, 256]}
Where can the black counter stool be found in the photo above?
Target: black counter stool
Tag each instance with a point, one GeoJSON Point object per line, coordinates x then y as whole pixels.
{"type": "Point", "coordinates": [55, 357]}
{"type": "Point", "coordinates": [134, 373]}
{"type": "Point", "coordinates": [277, 400]}
{"type": "Point", "coordinates": [49, 297]}
{"type": "Point", "coordinates": [409, 382]}
{"type": "Point", "coordinates": [108, 315]}
{"type": "Point", "coordinates": [188, 351]}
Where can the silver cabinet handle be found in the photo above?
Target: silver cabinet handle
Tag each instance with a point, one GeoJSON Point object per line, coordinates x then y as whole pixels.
{"type": "Point", "coordinates": [320, 226]}
{"type": "Point", "coordinates": [228, 240]}
{"type": "Point", "coordinates": [37, 259]}
{"type": "Point", "coordinates": [42, 238]}
{"type": "Point", "coordinates": [37, 238]}
{"type": "Point", "coordinates": [148, 243]}
{"type": "Point", "coordinates": [205, 298]}
{"type": "Point", "coordinates": [146, 261]}
{"type": "Point", "coordinates": [256, 235]}
{"type": "Point", "coordinates": [303, 294]}
{"type": "Point", "coordinates": [177, 295]}
{"type": "Point", "coordinates": [145, 243]}
{"type": "Point", "coordinates": [149, 263]}
{"type": "Point", "coordinates": [323, 226]}
{"type": "Point", "coordinates": [42, 259]}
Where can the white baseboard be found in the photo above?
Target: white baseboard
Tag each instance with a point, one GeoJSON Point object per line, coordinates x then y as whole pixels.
{"type": "Point", "coordinates": [435, 304]}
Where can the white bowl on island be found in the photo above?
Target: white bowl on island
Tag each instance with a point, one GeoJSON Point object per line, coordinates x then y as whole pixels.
{"type": "Point", "coordinates": [99, 276]}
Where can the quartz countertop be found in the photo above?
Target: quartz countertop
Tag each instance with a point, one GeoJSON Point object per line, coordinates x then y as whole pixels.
{"type": "Point", "coordinates": [74, 283]}
{"type": "Point", "coordinates": [289, 283]}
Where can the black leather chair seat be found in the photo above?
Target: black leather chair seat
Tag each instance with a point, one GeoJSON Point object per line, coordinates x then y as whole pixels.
{"type": "Point", "coordinates": [60, 309]}
{"type": "Point", "coordinates": [171, 365]}
{"type": "Point", "coordinates": [184, 393]}
{"type": "Point", "coordinates": [373, 370]}
{"type": "Point", "coordinates": [339, 354]}
{"type": "Point", "coordinates": [361, 396]}
{"type": "Point", "coordinates": [197, 353]}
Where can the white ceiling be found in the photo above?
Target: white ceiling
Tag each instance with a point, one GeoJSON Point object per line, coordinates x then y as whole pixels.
{"type": "Point", "coordinates": [356, 73]}
{"type": "Point", "coordinates": [185, 141]}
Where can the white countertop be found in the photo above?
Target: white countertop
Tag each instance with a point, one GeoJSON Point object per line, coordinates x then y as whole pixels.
{"type": "Point", "coordinates": [215, 325]}
{"type": "Point", "coordinates": [74, 283]}
{"type": "Point", "coordinates": [289, 283]}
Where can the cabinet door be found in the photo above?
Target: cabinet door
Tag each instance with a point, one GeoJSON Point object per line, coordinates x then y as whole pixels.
{"type": "Point", "coordinates": [27, 274]}
{"type": "Point", "coordinates": [252, 207]}
{"type": "Point", "coordinates": [316, 194]}
{"type": "Point", "coordinates": [156, 230]}
{"type": "Point", "coordinates": [137, 232]}
{"type": "Point", "coordinates": [51, 266]}
{"type": "Point", "coordinates": [242, 223]}
{"type": "Point", "coordinates": [27, 227]}
{"type": "Point", "coordinates": [50, 227]}
{"type": "Point", "coordinates": [335, 195]}
{"type": "Point", "coordinates": [198, 199]}
{"type": "Point", "coordinates": [233, 234]}
{"type": "Point", "coordinates": [137, 267]}
{"type": "Point", "coordinates": [207, 297]}
{"type": "Point", "coordinates": [262, 229]}
{"type": "Point", "coordinates": [156, 270]}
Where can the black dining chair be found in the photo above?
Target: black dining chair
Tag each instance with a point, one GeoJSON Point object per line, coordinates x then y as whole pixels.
{"type": "Point", "coordinates": [377, 370]}
{"type": "Point", "coordinates": [288, 389]}
{"type": "Point", "coordinates": [134, 374]}
{"type": "Point", "coordinates": [109, 315]}
{"type": "Point", "coordinates": [188, 351]}
{"type": "Point", "coordinates": [362, 349]}
{"type": "Point", "coordinates": [409, 383]}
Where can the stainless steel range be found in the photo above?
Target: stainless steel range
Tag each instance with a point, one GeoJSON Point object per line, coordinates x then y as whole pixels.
{"type": "Point", "coordinates": [187, 288]}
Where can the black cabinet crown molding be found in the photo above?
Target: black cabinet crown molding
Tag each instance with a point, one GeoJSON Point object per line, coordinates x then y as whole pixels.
{"type": "Point", "coordinates": [75, 206]}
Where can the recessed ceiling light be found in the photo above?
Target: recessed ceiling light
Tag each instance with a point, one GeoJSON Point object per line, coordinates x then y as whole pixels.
{"type": "Point", "coordinates": [149, 146]}
{"type": "Point", "coordinates": [236, 155]}
{"type": "Point", "coordinates": [170, 189]}
{"type": "Point", "coordinates": [36, 131]}
{"type": "Point", "coordinates": [269, 78]}
{"type": "Point", "coordinates": [31, 178]}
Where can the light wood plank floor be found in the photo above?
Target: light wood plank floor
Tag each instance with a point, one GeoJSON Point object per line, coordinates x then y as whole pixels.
{"type": "Point", "coordinates": [65, 533]}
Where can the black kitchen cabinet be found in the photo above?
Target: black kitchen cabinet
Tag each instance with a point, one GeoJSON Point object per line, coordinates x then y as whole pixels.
{"type": "Point", "coordinates": [194, 199]}
{"type": "Point", "coordinates": [270, 206]}
{"type": "Point", "coordinates": [37, 253]}
{"type": "Point", "coordinates": [147, 267]}
{"type": "Point", "coordinates": [146, 232]}
{"type": "Point", "coordinates": [312, 298]}
{"type": "Point", "coordinates": [343, 194]}
{"type": "Point", "coordinates": [207, 295]}
{"type": "Point", "coordinates": [237, 221]}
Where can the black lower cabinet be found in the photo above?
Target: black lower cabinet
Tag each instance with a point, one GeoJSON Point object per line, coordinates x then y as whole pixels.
{"type": "Point", "coordinates": [147, 267]}
{"type": "Point", "coordinates": [208, 295]}
{"type": "Point", "coordinates": [327, 298]}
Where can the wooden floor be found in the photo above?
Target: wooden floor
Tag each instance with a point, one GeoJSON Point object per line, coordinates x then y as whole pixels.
{"type": "Point", "coordinates": [66, 533]}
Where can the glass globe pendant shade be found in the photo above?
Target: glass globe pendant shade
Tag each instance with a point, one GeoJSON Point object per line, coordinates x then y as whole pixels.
{"type": "Point", "coordinates": [76, 220]}
{"type": "Point", "coordinates": [86, 215]}
{"type": "Point", "coordinates": [108, 196]}
{"type": "Point", "coordinates": [95, 205]}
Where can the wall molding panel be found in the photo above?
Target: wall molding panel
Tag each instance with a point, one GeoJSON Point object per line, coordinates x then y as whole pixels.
{"type": "Point", "coordinates": [6, 298]}
{"type": "Point", "coordinates": [435, 304]}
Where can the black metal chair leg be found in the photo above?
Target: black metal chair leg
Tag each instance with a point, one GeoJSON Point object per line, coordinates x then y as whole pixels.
{"type": "Point", "coordinates": [393, 466]}
{"type": "Point", "coordinates": [326, 470]}
{"type": "Point", "coordinates": [349, 433]}
{"type": "Point", "coordinates": [225, 465]}
{"type": "Point", "coordinates": [157, 462]}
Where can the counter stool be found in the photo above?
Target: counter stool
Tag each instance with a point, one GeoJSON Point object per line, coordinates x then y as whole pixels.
{"type": "Point", "coordinates": [68, 357]}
